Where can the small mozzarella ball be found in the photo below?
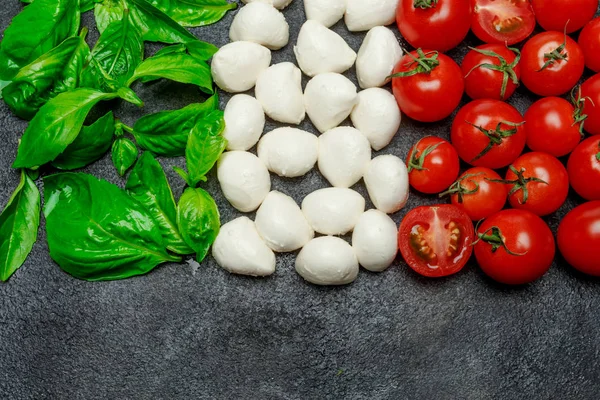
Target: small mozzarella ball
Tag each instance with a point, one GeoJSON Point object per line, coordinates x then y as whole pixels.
{"type": "Point", "coordinates": [239, 249]}
{"type": "Point", "coordinates": [279, 90]}
{"type": "Point", "coordinates": [281, 223]}
{"type": "Point", "coordinates": [333, 211]}
{"type": "Point", "coordinates": [377, 57]}
{"type": "Point", "coordinates": [386, 179]}
{"type": "Point", "coordinates": [260, 23]}
{"type": "Point", "coordinates": [244, 179]}
{"type": "Point", "coordinates": [327, 260]}
{"type": "Point", "coordinates": [244, 122]}
{"type": "Point", "coordinates": [289, 152]}
{"type": "Point", "coordinates": [344, 154]}
{"type": "Point", "coordinates": [375, 240]}
{"type": "Point", "coordinates": [327, 12]}
{"type": "Point", "coordinates": [279, 4]}
{"type": "Point", "coordinates": [376, 116]}
{"type": "Point", "coordinates": [236, 66]}
{"type": "Point", "coordinates": [329, 99]}
{"type": "Point", "coordinates": [362, 15]}
{"type": "Point", "coordinates": [320, 50]}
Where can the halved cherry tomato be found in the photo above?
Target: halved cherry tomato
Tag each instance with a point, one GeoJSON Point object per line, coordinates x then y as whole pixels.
{"type": "Point", "coordinates": [433, 165]}
{"type": "Point", "coordinates": [514, 247]}
{"type": "Point", "coordinates": [590, 92]}
{"type": "Point", "coordinates": [502, 21]}
{"type": "Point", "coordinates": [584, 168]}
{"type": "Point", "coordinates": [579, 238]}
{"type": "Point", "coordinates": [554, 15]}
{"type": "Point", "coordinates": [436, 241]}
{"type": "Point", "coordinates": [589, 41]}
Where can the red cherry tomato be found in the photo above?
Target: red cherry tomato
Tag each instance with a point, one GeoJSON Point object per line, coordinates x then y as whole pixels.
{"type": "Point", "coordinates": [590, 91]}
{"type": "Point", "coordinates": [553, 126]}
{"type": "Point", "coordinates": [434, 24]}
{"type": "Point", "coordinates": [428, 90]}
{"type": "Point", "coordinates": [538, 182]}
{"type": "Point", "coordinates": [502, 21]}
{"type": "Point", "coordinates": [488, 133]}
{"type": "Point", "coordinates": [579, 238]}
{"type": "Point", "coordinates": [589, 41]}
{"type": "Point", "coordinates": [433, 165]}
{"type": "Point", "coordinates": [491, 71]}
{"type": "Point", "coordinates": [436, 241]}
{"type": "Point", "coordinates": [554, 15]}
{"type": "Point", "coordinates": [552, 63]}
{"type": "Point", "coordinates": [479, 193]}
{"type": "Point", "coordinates": [514, 247]}
{"type": "Point", "coordinates": [584, 168]}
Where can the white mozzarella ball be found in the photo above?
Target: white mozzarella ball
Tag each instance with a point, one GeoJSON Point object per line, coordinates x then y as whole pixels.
{"type": "Point", "coordinates": [327, 12]}
{"type": "Point", "coordinates": [320, 50]}
{"type": "Point", "coordinates": [333, 211]}
{"type": "Point", "coordinates": [281, 223]}
{"type": "Point", "coordinates": [377, 57]}
{"type": "Point", "coordinates": [244, 122]}
{"type": "Point", "coordinates": [386, 179]}
{"type": "Point", "coordinates": [244, 179]}
{"type": "Point", "coordinates": [239, 249]}
{"type": "Point", "coordinates": [362, 15]}
{"type": "Point", "coordinates": [236, 66]}
{"type": "Point", "coordinates": [260, 23]}
{"type": "Point", "coordinates": [376, 116]}
{"type": "Point", "coordinates": [344, 154]}
{"type": "Point", "coordinates": [327, 260]}
{"type": "Point", "coordinates": [375, 240]}
{"type": "Point", "coordinates": [289, 152]}
{"type": "Point", "coordinates": [329, 99]}
{"type": "Point", "coordinates": [279, 90]}
{"type": "Point", "coordinates": [279, 4]}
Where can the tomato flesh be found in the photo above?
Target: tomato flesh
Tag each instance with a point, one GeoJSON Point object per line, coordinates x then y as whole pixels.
{"type": "Point", "coordinates": [579, 238]}
{"type": "Point", "coordinates": [502, 21]}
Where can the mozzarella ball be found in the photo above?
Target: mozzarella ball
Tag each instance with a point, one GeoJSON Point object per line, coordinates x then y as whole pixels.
{"type": "Point", "coordinates": [279, 4]}
{"type": "Point", "coordinates": [375, 241]}
{"type": "Point", "coordinates": [386, 179]}
{"type": "Point", "coordinates": [260, 23]}
{"type": "Point", "coordinates": [244, 122]}
{"type": "Point", "coordinates": [236, 66]}
{"type": "Point", "coordinates": [362, 15]}
{"type": "Point", "coordinates": [289, 152]}
{"type": "Point", "coordinates": [281, 223]}
{"type": "Point", "coordinates": [279, 90]}
{"type": "Point", "coordinates": [244, 179]}
{"type": "Point", "coordinates": [376, 116]}
{"type": "Point", "coordinates": [344, 154]}
{"type": "Point", "coordinates": [329, 99]}
{"type": "Point", "coordinates": [377, 57]}
{"type": "Point", "coordinates": [333, 211]}
{"type": "Point", "coordinates": [327, 12]}
{"type": "Point", "coordinates": [320, 50]}
{"type": "Point", "coordinates": [239, 249]}
{"type": "Point", "coordinates": [327, 260]}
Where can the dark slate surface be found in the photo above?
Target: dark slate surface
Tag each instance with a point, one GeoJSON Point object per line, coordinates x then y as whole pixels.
{"type": "Point", "coordinates": [180, 334]}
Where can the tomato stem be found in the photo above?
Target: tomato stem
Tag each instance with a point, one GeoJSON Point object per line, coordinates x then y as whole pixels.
{"type": "Point", "coordinates": [425, 4]}
{"type": "Point", "coordinates": [494, 237]}
{"type": "Point", "coordinates": [458, 189]}
{"type": "Point", "coordinates": [496, 136]}
{"type": "Point", "coordinates": [416, 161]}
{"type": "Point", "coordinates": [520, 183]}
{"type": "Point", "coordinates": [427, 62]}
{"type": "Point", "coordinates": [556, 54]}
{"type": "Point", "coordinates": [598, 155]}
{"type": "Point", "coordinates": [579, 103]}
{"type": "Point", "coordinates": [508, 70]}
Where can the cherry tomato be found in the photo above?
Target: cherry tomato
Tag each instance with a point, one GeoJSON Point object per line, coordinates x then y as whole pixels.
{"type": "Point", "coordinates": [502, 21]}
{"type": "Point", "coordinates": [488, 133]}
{"type": "Point", "coordinates": [579, 238]}
{"type": "Point", "coordinates": [584, 168]}
{"type": "Point", "coordinates": [428, 90]}
{"type": "Point", "coordinates": [514, 247]}
{"type": "Point", "coordinates": [436, 241]}
{"type": "Point", "coordinates": [552, 63]}
{"type": "Point", "coordinates": [434, 24]}
{"type": "Point", "coordinates": [433, 165]}
{"type": "Point", "coordinates": [553, 126]}
{"type": "Point", "coordinates": [538, 182]}
{"type": "Point", "coordinates": [491, 71]}
{"type": "Point", "coordinates": [554, 15]}
{"type": "Point", "coordinates": [590, 92]}
{"type": "Point", "coordinates": [589, 41]}
{"type": "Point", "coordinates": [478, 192]}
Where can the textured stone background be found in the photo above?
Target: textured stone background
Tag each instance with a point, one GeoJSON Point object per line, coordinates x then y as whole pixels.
{"type": "Point", "coordinates": [179, 334]}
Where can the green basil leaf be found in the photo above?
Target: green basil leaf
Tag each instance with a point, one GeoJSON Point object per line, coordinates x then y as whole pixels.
{"type": "Point", "coordinates": [155, 25]}
{"type": "Point", "coordinates": [194, 13]}
{"type": "Point", "coordinates": [198, 49]}
{"type": "Point", "coordinates": [90, 145]}
{"type": "Point", "coordinates": [129, 95]}
{"type": "Point", "coordinates": [184, 175]}
{"type": "Point", "coordinates": [107, 12]}
{"type": "Point", "coordinates": [86, 5]}
{"type": "Point", "coordinates": [198, 220]}
{"type": "Point", "coordinates": [19, 226]}
{"type": "Point", "coordinates": [148, 184]}
{"type": "Point", "coordinates": [96, 231]}
{"type": "Point", "coordinates": [124, 154]}
{"type": "Point", "coordinates": [3, 84]}
{"type": "Point", "coordinates": [205, 145]}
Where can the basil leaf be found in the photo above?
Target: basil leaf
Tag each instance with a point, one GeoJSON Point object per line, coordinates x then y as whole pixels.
{"type": "Point", "coordinates": [90, 145]}
{"type": "Point", "coordinates": [96, 231]}
{"type": "Point", "coordinates": [148, 184]}
{"type": "Point", "coordinates": [86, 5]}
{"type": "Point", "coordinates": [205, 145]}
{"type": "Point", "coordinates": [124, 154]}
{"type": "Point", "coordinates": [198, 220]}
{"type": "Point", "coordinates": [198, 49]}
{"type": "Point", "coordinates": [107, 12]}
{"type": "Point", "coordinates": [193, 13]}
{"type": "Point", "coordinates": [19, 226]}
{"type": "Point", "coordinates": [155, 25]}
